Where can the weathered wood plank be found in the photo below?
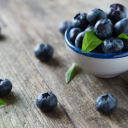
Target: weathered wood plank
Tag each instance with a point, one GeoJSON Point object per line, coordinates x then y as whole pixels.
{"type": "Point", "coordinates": [27, 85]}
{"type": "Point", "coordinates": [38, 22]}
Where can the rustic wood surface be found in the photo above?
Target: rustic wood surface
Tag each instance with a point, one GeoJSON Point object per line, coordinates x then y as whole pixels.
{"type": "Point", "coordinates": [28, 22]}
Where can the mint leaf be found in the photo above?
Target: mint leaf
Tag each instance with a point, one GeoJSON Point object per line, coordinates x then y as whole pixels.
{"type": "Point", "coordinates": [90, 41]}
{"type": "Point", "coordinates": [2, 102]}
{"type": "Point", "coordinates": [92, 31]}
{"type": "Point", "coordinates": [72, 71]}
{"type": "Point", "coordinates": [123, 36]}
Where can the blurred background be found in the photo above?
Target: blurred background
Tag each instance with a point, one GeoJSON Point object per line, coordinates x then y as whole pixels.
{"type": "Point", "coordinates": [49, 13]}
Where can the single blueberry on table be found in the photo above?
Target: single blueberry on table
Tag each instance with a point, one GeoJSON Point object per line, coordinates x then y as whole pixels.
{"type": "Point", "coordinates": [46, 101]}
{"type": "Point", "coordinates": [125, 45]}
{"type": "Point", "coordinates": [116, 12]}
{"type": "Point", "coordinates": [5, 87]}
{"type": "Point", "coordinates": [103, 28]}
{"type": "Point", "coordinates": [96, 14]}
{"type": "Point", "coordinates": [79, 39]}
{"type": "Point", "coordinates": [106, 104]}
{"type": "Point", "coordinates": [73, 33]}
{"type": "Point", "coordinates": [121, 27]}
{"type": "Point", "coordinates": [112, 45]}
{"type": "Point", "coordinates": [63, 26]}
{"type": "Point", "coordinates": [80, 21]}
{"type": "Point", "coordinates": [43, 52]}
{"type": "Point", "coordinates": [89, 27]}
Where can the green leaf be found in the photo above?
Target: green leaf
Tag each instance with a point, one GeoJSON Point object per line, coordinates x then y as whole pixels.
{"type": "Point", "coordinates": [92, 31]}
{"type": "Point", "coordinates": [90, 41]}
{"type": "Point", "coordinates": [123, 36]}
{"type": "Point", "coordinates": [2, 102]}
{"type": "Point", "coordinates": [72, 71]}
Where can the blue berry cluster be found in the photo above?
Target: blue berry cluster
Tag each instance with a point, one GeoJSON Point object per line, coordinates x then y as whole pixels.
{"type": "Point", "coordinates": [107, 27]}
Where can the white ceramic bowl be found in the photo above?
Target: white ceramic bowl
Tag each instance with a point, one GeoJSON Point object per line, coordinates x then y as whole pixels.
{"type": "Point", "coordinates": [98, 64]}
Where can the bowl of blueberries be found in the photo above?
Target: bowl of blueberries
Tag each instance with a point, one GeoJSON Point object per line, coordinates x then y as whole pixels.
{"type": "Point", "coordinates": [110, 57]}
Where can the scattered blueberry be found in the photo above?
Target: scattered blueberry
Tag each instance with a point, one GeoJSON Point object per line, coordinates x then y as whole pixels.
{"type": "Point", "coordinates": [116, 12]}
{"type": "Point", "coordinates": [121, 27]}
{"type": "Point", "coordinates": [103, 28]}
{"type": "Point", "coordinates": [112, 45]}
{"type": "Point", "coordinates": [125, 45]}
{"type": "Point", "coordinates": [96, 14]}
{"type": "Point", "coordinates": [106, 104]}
{"type": "Point", "coordinates": [43, 52]}
{"type": "Point", "coordinates": [5, 87]}
{"type": "Point", "coordinates": [79, 39]}
{"type": "Point", "coordinates": [89, 27]}
{"type": "Point", "coordinates": [80, 21]}
{"type": "Point", "coordinates": [73, 33]}
{"type": "Point", "coordinates": [63, 26]}
{"type": "Point", "coordinates": [46, 101]}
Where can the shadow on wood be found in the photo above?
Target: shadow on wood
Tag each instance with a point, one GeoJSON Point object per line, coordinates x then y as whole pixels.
{"type": "Point", "coordinates": [54, 62]}
{"type": "Point", "coordinates": [57, 113]}
{"type": "Point", "coordinates": [12, 98]}
{"type": "Point", "coordinates": [120, 115]}
{"type": "Point", "coordinates": [2, 37]}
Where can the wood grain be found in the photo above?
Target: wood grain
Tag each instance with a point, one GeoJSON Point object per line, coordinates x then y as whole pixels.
{"type": "Point", "coordinates": [28, 22]}
{"type": "Point", "coordinates": [27, 85]}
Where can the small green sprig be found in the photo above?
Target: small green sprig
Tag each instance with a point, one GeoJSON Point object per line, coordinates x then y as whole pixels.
{"type": "Point", "coordinates": [90, 41]}
{"type": "Point", "coordinates": [123, 36]}
{"type": "Point", "coordinates": [72, 71]}
{"type": "Point", "coordinates": [2, 102]}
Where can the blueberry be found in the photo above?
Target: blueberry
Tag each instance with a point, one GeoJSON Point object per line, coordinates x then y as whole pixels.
{"type": "Point", "coordinates": [121, 27]}
{"type": "Point", "coordinates": [112, 45]}
{"type": "Point", "coordinates": [89, 27]}
{"type": "Point", "coordinates": [63, 26]}
{"type": "Point", "coordinates": [125, 45]}
{"type": "Point", "coordinates": [79, 39]}
{"type": "Point", "coordinates": [94, 15]}
{"type": "Point", "coordinates": [5, 87]}
{"type": "Point", "coordinates": [73, 33]}
{"type": "Point", "coordinates": [46, 101]}
{"type": "Point", "coordinates": [116, 12]}
{"type": "Point", "coordinates": [80, 21]}
{"type": "Point", "coordinates": [106, 104]}
{"type": "Point", "coordinates": [103, 28]}
{"type": "Point", "coordinates": [43, 52]}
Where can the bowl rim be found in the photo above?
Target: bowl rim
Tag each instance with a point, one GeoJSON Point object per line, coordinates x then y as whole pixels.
{"type": "Point", "coordinates": [92, 54]}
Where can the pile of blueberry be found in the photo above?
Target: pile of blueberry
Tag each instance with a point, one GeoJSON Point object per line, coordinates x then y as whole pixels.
{"type": "Point", "coordinates": [107, 26]}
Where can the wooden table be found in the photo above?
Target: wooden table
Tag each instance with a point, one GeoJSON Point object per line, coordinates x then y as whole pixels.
{"type": "Point", "coordinates": [28, 22]}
